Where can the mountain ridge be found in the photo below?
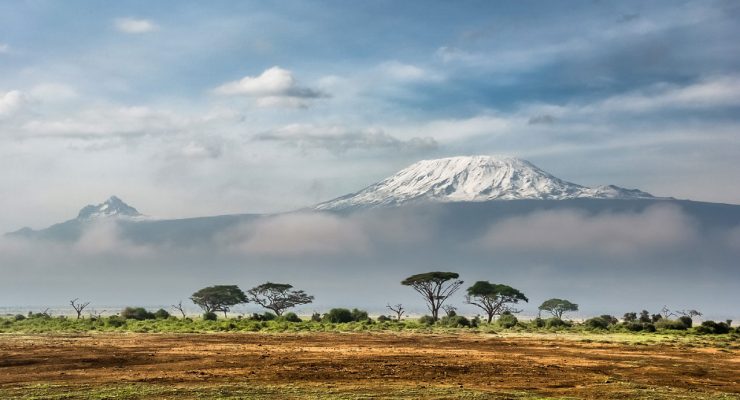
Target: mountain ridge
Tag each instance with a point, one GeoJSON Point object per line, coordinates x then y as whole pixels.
{"type": "Point", "coordinates": [474, 179]}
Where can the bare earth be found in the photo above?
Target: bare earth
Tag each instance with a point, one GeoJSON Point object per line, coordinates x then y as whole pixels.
{"type": "Point", "coordinates": [360, 365]}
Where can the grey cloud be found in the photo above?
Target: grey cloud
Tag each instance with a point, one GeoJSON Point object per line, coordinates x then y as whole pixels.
{"type": "Point", "coordinates": [541, 119]}
{"type": "Point", "coordinates": [339, 139]}
{"type": "Point", "coordinates": [656, 229]}
{"type": "Point", "coordinates": [628, 17]}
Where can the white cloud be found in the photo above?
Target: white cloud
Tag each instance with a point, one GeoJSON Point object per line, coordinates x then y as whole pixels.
{"type": "Point", "coordinates": [201, 150]}
{"type": "Point", "coordinates": [274, 87]}
{"type": "Point", "coordinates": [405, 72]}
{"type": "Point", "coordinates": [53, 92]}
{"type": "Point", "coordinates": [131, 25]}
{"type": "Point", "coordinates": [11, 102]}
{"type": "Point", "coordinates": [4, 48]}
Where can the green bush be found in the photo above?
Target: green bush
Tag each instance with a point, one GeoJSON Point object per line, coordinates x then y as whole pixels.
{"type": "Point", "coordinates": [115, 321]}
{"type": "Point", "coordinates": [596, 323]}
{"type": "Point", "coordinates": [316, 317]}
{"type": "Point", "coordinates": [19, 317]}
{"type": "Point", "coordinates": [338, 316]}
{"type": "Point", "coordinates": [686, 320]}
{"type": "Point", "coordinates": [210, 316]}
{"type": "Point", "coordinates": [610, 319]}
{"type": "Point", "coordinates": [290, 317]}
{"type": "Point", "coordinates": [670, 324]}
{"type": "Point", "coordinates": [711, 327]}
{"type": "Point", "coordinates": [161, 314]}
{"type": "Point", "coordinates": [556, 323]}
{"type": "Point", "coordinates": [359, 315]}
{"type": "Point", "coordinates": [427, 320]}
{"type": "Point", "coordinates": [455, 321]}
{"type": "Point", "coordinates": [507, 321]}
{"type": "Point", "coordinates": [383, 318]}
{"type": "Point", "coordinates": [137, 313]}
{"type": "Point", "coordinates": [538, 322]}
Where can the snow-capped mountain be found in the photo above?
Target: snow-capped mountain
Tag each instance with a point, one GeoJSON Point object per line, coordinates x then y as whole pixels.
{"type": "Point", "coordinates": [113, 207]}
{"type": "Point", "coordinates": [476, 179]}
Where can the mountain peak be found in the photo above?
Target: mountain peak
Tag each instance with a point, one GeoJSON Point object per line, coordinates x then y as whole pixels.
{"type": "Point", "coordinates": [113, 207]}
{"type": "Point", "coordinates": [473, 178]}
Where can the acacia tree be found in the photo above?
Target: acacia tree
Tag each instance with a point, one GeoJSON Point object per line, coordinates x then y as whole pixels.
{"type": "Point", "coordinates": [435, 287]}
{"type": "Point", "coordinates": [79, 307]}
{"type": "Point", "coordinates": [493, 298]}
{"type": "Point", "coordinates": [278, 297]}
{"type": "Point", "coordinates": [558, 307]}
{"type": "Point", "coordinates": [218, 298]}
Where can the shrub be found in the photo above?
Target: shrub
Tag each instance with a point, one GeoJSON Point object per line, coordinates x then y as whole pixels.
{"type": "Point", "coordinates": [670, 324]}
{"type": "Point", "coordinates": [475, 321]}
{"type": "Point", "coordinates": [268, 316]}
{"type": "Point", "coordinates": [290, 317]}
{"type": "Point", "coordinates": [316, 317]}
{"type": "Point", "coordinates": [711, 327]}
{"type": "Point", "coordinates": [538, 322]}
{"type": "Point", "coordinates": [686, 320]}
{"type": "Point", "coordinates": [455, 321]}
{"type": "Point", "coordinates": [507, 321]}
{"type": "Point", "coordinates": [137, 313]}
{"type": "Point", "coordinates": [610, 319]}
{"type": "Point", "coordinates": [427, 320]}
{"type": "Point", "coordinates": [210, 316]}
{"type": "Point", "coordinates": [161, 314]}
{"type": "Point", "coordinates": [384, 318]}
{"type": "Point", "coordinates": [648, 327]}
{"type": "Point", "coordinates": [633, 326]}
{"type": "Point", "coordinates": [359, 315]}
{"type": "Point", "coordinates": [596, 323]}
{"type": "Point", "coordinates": [338, 316]}
{"type": "Point", "coordinates": [19, 317]}
{"type": "Point", "coordinates": [556, 323]}
{"type": "Point", "coordinates": [115, 321]}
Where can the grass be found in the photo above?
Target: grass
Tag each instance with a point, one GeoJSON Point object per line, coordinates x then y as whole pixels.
{"type": "Point", "coordinates": [40, 324]}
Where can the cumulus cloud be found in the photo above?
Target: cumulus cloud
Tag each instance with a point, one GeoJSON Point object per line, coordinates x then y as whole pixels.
{"type": "Point", "coordinates": [658, 228]}
{"type": "Point", "coordinates": [201, 150]}
{"type": "Point", "coordinates": [274, 87]}
{"type": "Point", "coordinates": [11, 102]}
{"type": "Point", "coordinates": [340, 139]}
{"type": "Point", "coordinates": [135, 26]}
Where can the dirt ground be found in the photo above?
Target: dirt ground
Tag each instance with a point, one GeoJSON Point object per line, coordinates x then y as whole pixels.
{"type": "Point", "coordinates": [382, 363]}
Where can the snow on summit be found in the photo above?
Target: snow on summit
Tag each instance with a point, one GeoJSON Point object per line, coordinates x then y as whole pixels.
{"type": "Point", "coordinates": [113, 207]}
{"type": "Point", "coordinates": [473, 178]}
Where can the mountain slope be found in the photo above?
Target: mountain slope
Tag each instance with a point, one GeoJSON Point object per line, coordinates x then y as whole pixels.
{"type": "Point", "coordinates": [473, 178]}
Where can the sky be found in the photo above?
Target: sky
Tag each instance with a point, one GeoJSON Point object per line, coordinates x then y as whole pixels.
{"type": "Point", "coordinates": [187, 109]}
{"type": "Point", "coordinates": [190, 108]}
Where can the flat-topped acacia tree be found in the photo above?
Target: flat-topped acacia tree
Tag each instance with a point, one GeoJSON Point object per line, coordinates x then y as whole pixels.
{"type": "Point", "coordinates": [558, 307]}
{"type": "Point", "coordinates": [278, 297]}
{"type": "Point", "coordinates": [493, 298]}
{"type": "Point", "coordinates": [218, 298]}
{"type": "Point", "coordinates": [435, 287]}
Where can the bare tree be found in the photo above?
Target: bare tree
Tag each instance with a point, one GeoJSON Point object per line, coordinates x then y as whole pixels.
{"type": "Point", "coordinates": [79, 307]}
{"type": "Point", "coordinates": [689, 313]}
{"type": "Point", "coordinates": [451, 311]}
{"type": "Point", "coordinates": [398, 309]}
{"type": "Point", "coordinates": [666, 313]}
{"type": "Point", "coordinates": [95, 314]}
{"type": "Point", "coordinates": [179, 308]}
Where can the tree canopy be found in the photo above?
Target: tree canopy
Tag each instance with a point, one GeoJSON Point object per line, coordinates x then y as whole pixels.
{"type": "Point", "coordinates": [494, 298]}
{"type": "Point", "coordinates": [218, 298]}
{"type": "Point", "coordinates": [435, 287]}
{"type": "Point", "coordinates": [278, 297]}
{"type": "Point", "coordinates": [557, 307]}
